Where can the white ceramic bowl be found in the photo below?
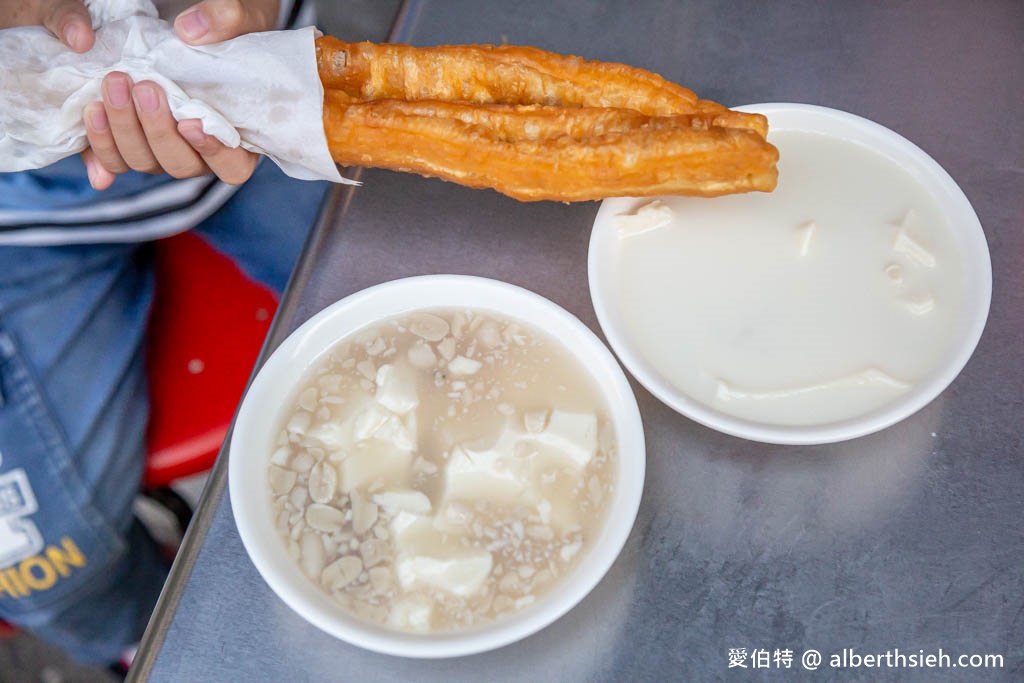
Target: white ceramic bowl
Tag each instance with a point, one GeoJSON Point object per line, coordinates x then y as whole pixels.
{"type": "Point", "coordinates": [260, 416]}
{"type": "Point", "coordinates": [970, 241]}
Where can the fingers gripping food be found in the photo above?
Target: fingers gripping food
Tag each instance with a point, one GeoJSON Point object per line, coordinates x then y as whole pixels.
{"type": "Point", "coordinates": [533, 124]}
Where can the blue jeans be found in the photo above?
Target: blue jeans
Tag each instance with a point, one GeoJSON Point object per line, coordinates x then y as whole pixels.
{"type": "Point", "coordinates": [75, 567]}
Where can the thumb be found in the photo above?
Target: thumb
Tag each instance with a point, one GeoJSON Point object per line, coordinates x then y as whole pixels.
{"type": "Point", "coordinates": [69, 21]}
{"type": "Point", "coordinates": [212, 21]}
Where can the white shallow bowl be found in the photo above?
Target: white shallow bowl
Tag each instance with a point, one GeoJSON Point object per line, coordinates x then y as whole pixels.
{"type": "Point", "coordinates": [968, 235]}
{"type": "Point", "coordinates": [261, 414]}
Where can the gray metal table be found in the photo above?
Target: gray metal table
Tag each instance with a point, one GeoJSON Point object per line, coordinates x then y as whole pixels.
{"type": "Point", "coordinates": [908, 539]}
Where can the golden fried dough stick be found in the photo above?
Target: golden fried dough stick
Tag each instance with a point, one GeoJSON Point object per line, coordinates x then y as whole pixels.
{"type": "Point", "coordinates": [542, 152]}
{"type": "Point", "coordinates": [530, 122]}
{"type": "Point", "coordinates": [507, 74]}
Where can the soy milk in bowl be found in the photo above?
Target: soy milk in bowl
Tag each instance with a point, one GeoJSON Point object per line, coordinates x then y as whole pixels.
{"type": "Point", "coordinates": [830, 308]}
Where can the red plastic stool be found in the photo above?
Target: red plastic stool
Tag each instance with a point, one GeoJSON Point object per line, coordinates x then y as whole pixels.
{"type": "Point", "coordinates": [208, 324]}
{"type": "Point", "coordinates": [205, 333]}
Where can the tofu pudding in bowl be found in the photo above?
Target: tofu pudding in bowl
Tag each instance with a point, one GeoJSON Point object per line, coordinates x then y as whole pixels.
{"type": "Point", "coordinates": [441, 469]}
{"type": "Point", "coordinates": [437, 480]}
{"type": "Point", "coordinates": [834, 306]}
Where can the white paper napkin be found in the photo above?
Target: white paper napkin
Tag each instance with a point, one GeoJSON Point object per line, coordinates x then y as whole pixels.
{"type": "Point", "coordinates": [261, 90]}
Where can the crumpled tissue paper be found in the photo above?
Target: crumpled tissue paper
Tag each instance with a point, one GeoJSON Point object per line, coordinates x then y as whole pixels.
{"type": "Point", "coordinates": [261, 90]}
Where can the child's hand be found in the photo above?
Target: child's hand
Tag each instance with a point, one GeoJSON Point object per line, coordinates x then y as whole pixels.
{"type": "Point", "coordinates": [132, 128]}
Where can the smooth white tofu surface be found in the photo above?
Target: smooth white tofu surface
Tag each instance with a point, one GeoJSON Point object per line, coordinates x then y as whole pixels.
{"type": "Point", "coordinates": [377, 422]}
{"type": "Point", "coordinates": [396, 389]}
{"type": "Point", "coordinates": [415, 502]}
{"type": "Point", "coordinates": [572, 434]}
{"type": "Point", "coordinates": [332, 435]}
{"type": "Point", "coordinates": [648, 217]}
{"type": "Point", "coordinates": [462, 366]}
{"type": "Point", "coordinates": [409, 529]}
{"type": "Point", "coordinates": [489, 474]}
{"type": "Point", "coordinates": [432, 559]}
{"type": "Point", "coordinates": [399, 432]}
{"type": "Point", "coordinates": [462, 575]}
{"type": "Point", "coordinates": [373, 460]}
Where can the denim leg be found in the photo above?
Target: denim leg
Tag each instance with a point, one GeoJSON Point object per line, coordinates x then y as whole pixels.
{"type": "Point", "coordinates": [74, 566]}
{"type": "Point", "coordinates": [264, 226]}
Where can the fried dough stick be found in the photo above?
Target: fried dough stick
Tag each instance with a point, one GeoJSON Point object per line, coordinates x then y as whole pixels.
{"type": "Point", "coordinates": [508, 74]}
{"type": "Point", "coordinates": [543, 152]}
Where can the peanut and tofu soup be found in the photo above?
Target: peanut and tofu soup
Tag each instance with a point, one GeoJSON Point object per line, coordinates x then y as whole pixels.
{"type": "Point", "coordinates": [438, 470]}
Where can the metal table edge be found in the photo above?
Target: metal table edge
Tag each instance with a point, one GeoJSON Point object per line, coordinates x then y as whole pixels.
{"type": "Point", "coordinates": [334, 204]}
{"type": "Point", "coordinates": [192, 543]}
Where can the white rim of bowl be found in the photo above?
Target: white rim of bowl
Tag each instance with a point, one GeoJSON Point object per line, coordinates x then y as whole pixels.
{"type": "Point", "coordinates": [786, 116]}
{"type": "Point", "coordinates": [252, 513]}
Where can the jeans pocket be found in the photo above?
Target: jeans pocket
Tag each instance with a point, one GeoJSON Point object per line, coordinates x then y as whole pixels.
{"type": "Point", "coordinates": [55, 543]}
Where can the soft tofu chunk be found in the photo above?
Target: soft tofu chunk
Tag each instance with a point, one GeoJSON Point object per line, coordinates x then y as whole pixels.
{"type": "Point", "coordinates": [462, 366]}
{"type": "Point", "coordinates": [339, 434]}
{"type": "Point", "coordinates": [648, 217]}
{"type": "Point", "coordinates": [429, 558]}
{"type": "Point", "coordinates": [396, 389]}
{"type": "Point", "coordinates": [453, 517]}
{"type": "Point", "coordinates": [571, 434]}
{"type": "Point", "coordinates": [492, 474]}
{"type": "Point", "coordinates": [408, 527]}
{"type": "Point", "coordinates": [401, 433]}
{"type": "Point", "coordinates": [369, 421]}
{"type": "Point", "coordinates": [394, 502]}
{"type": "Point", "coordinates": [462, 575]}
{"type": "Point", "coordinates": [375, 460]}
{"type": "Point", "coordinates": [411, 614]}
{"type": "Point", "coordinates": [333, 436]}
{"type": "Point", "coordinates": [381, 424]}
